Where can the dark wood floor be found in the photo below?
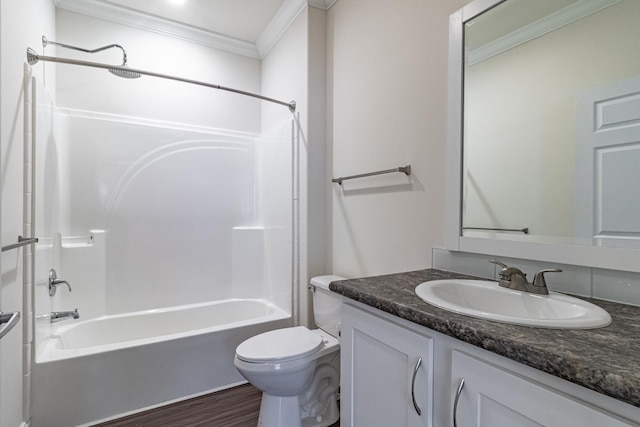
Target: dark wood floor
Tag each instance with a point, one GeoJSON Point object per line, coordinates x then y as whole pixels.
{"type": "Point", "coordinates": [235, 407]}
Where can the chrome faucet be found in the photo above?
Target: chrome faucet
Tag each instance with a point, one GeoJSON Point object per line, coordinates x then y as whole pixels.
{"type": "Point", "coordinates": [513, 278]}
{"type": "Point", "coordinates": [54, 282]}
{"type": "Point", "coordinates": [57, 316]}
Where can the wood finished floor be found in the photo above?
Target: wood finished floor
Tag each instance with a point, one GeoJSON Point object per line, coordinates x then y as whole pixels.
{"type": "Point", "coordinates": [235, 407]}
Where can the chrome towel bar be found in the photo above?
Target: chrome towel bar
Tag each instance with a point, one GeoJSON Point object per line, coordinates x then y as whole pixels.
{"type": "Point", "coordinates": [524, 230]}
{"type": "Point", "coordinates": [404, 169]}
{"type": "Point", "coordinates": [22, 241]}
{"type": "Point", "coordinates": [8, 321]}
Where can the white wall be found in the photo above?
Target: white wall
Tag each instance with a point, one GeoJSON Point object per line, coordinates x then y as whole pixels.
{"type": "Point", "coordinates": [149, 97]}
{"type": "Point", "coordinates": [387, 65]}
{"type": "Point", "coordinates": [21, 25]}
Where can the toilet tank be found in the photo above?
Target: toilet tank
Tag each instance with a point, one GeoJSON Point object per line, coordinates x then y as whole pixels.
{"type": "Point", "coordinates": [327, 305]}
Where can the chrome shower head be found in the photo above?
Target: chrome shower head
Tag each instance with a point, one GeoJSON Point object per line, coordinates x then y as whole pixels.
{"type": "Point", "coordinates": [119, 71]}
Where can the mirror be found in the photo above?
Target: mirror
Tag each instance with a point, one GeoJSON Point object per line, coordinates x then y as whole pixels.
{"type": "Point", "coordinates": [534, 72]}
{"type": "Point", "coordinates": [544, 131]}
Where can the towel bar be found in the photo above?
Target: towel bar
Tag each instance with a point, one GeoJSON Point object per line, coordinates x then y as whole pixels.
{"type": "Point", "coordinates": [524, 230]}
{"type": "Point", "coordinates": [22, 241]}
{"type": "Point", "coordinates": [404, 169]}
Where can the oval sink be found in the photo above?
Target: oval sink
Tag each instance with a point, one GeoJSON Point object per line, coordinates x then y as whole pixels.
{"type": "Point", "coordinates": [488, 300]}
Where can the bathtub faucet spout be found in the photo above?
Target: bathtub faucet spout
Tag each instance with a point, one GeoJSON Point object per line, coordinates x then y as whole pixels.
{"type": "Point", "coordinates": [57, 316]}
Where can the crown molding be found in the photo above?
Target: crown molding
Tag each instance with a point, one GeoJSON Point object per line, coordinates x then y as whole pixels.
{"type": "Point", "coordinates": [322, 4]}
{"type": "Point", "coordinates": [279, 24]}
{"type": "Point", "coordinates": [103, 9]}
{"type": "Point", "coordinates": [283, 19]}
{"type": "Point", "coordinates": [538, 28]}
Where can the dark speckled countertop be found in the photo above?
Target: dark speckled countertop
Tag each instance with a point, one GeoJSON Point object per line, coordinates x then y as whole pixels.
{"type": "Point", "coordinates": [606, 360]}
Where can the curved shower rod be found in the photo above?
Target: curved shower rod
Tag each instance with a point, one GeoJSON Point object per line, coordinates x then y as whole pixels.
{"type": "Point", "coordinates": [33, 58]}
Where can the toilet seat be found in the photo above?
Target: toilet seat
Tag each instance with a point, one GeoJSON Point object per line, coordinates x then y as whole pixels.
{"type": "Point", "coordinates": [280, 345]}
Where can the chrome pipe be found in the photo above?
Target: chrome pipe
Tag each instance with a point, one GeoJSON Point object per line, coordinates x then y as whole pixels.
{"type": "Point", "coordinates": [46, 42]}
{"type": "Point", "coordinates": [127, 74]}
{"type": "Point", "coordinates": [33, 58]}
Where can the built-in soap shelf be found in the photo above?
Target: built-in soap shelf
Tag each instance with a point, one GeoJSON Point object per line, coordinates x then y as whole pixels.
{"type": "Point", "coordinates": [70, 242]}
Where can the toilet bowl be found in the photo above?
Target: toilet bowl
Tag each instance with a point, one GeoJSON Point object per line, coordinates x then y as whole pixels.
{"type": "Point", "coordinates": [297, 369]}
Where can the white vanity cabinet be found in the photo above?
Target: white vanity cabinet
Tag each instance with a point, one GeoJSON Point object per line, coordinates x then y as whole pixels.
{"type": "Point", "coordinates": [493, 397]}
{"type": "Point", "coordinates": [379, 352]}
{"type": "Point", "coordinates": [386, 373]}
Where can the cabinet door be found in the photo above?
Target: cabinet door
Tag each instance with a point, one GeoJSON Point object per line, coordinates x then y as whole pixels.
{"type": "Point", "coordinates": [493, 397]}
{"type": "Point", "coordinates": [378, 361]}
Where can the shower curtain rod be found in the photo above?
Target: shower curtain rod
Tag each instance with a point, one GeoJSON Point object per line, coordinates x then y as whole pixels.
{"type": "Point", "coordinates": [33, 58]}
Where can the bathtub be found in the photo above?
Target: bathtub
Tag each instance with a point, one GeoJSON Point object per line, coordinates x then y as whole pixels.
{"type": "Point", "coordinates": [98, 369]}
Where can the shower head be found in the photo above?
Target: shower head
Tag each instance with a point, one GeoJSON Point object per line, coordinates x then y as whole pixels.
{"type": "Point", "coordinates": [119, 71]}
{"type": "Point", "coordinates": [124, 73]}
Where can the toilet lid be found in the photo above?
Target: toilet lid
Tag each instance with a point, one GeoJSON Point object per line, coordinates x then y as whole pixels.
{"type": "Point", "coordinates": [279, 345]}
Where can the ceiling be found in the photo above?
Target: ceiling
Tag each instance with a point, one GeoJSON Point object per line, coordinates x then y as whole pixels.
{"type": "Point", "coordinates": [245, 27]}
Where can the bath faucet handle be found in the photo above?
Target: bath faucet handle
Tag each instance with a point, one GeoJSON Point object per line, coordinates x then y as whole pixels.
{"type": "Point", "coordinates": [538, 279]}
{"type": "Point", "coordinates": [54, 282]}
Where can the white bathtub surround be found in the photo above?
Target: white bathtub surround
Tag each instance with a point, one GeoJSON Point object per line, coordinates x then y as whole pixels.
{"type": "Point", "coordinates": [177, 242]}
{"type": "Point", "coordinates": [132, 192]}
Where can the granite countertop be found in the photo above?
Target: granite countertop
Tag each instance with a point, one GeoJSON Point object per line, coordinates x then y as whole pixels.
{"type": "Point", "coordinates": [606, 360]}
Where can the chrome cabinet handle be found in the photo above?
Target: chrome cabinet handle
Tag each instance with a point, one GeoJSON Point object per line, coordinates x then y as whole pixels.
{"type": "Point", "coordinates": [8, 321]}
{"type": "Point", "coordinates": [455, 401]}
{"type": "Point", "coordinates": [413, 386]}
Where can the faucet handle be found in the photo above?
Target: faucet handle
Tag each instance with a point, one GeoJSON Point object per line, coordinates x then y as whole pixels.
{"type": "Point", "coordinates": [538, 279]}
{"type": "Point", "coordinates": [54, 282]}
{"type": "Point", "coordinates": [507, 272]}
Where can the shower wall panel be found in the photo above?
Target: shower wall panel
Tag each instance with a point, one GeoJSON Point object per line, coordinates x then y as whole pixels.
{"type": "Point", "coordinates": [148, 214]}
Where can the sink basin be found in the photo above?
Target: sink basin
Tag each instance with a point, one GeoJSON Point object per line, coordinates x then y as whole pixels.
{"type": "Point", "coordinates": [488, 300]}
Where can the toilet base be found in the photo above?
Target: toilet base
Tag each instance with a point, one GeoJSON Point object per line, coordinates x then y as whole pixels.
{"type": "Point", "coordinates": [284, 411]}
{"type": "Point", "coordinates": [279, 411]}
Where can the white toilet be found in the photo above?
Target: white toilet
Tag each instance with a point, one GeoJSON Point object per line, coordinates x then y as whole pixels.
{"type": "Point", "coordinates": [297, 369]}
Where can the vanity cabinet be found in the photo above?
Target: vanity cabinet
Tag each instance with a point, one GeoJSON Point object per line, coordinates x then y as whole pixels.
{"type": "Point", "coordinates": [379, 352]}
{"type": "Point", "coordinates": [493, 397]}
{"type": "Point", "coordinates": [386, 373]}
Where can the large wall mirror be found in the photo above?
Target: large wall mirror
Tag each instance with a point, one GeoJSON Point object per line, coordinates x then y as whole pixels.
{"type": "Point", "coordinates": [544, 132]}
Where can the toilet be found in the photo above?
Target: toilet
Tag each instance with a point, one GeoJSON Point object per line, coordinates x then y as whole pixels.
{"type": "Point", "coordinates": [297, 369]}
